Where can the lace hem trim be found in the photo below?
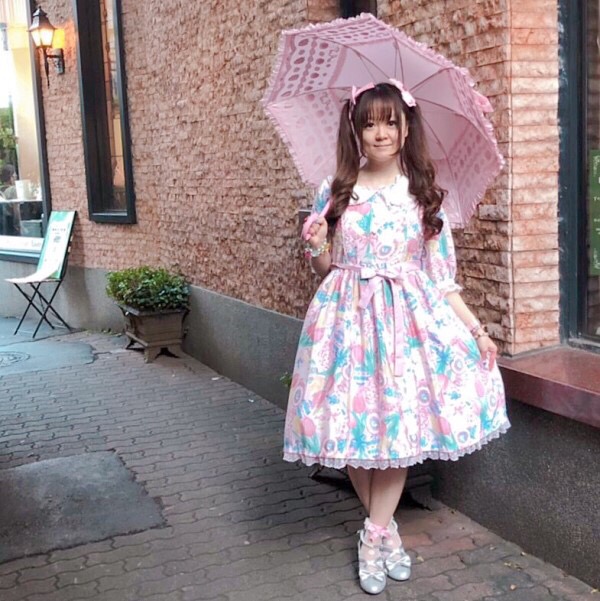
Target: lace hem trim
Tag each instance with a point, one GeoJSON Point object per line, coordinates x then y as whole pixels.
{"type": "Point", "coordinates": [393, 463]}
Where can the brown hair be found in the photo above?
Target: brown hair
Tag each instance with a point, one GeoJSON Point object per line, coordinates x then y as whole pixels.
{"type": "Point", "coordinates": [381, 103]}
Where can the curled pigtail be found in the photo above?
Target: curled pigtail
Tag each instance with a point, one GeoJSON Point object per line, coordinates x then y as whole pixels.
{"type": "Point", "coordinates": [416, 163]}
{"type": "Point", "coordinates": [348, 164]}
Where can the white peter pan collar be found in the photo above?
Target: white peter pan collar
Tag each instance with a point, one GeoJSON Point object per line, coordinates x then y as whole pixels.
{"type": "Point", "coordinates": [395, 193]}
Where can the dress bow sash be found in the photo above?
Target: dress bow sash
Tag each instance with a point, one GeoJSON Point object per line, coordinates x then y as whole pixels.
{"type": "Point", "coordinates": [374, 276]}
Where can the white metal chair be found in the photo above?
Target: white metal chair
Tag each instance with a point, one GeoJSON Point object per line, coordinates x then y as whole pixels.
{"type": "Point", "coordinates": [51, 269]}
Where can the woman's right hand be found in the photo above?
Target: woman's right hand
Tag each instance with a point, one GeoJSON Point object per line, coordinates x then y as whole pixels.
{"type": "Point", "coordinates": [317, 232]}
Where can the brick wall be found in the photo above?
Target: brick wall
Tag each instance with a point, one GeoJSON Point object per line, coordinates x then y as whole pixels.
{"type": "Point", "coordinates": [217, 193]}
{"type": "Point", "coordinates": [508, 255]}
{"type": "Point", "coordinates": [534, 166]}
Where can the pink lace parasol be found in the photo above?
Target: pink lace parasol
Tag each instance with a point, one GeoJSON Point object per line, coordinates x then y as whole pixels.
{"type": "Point", "coordinates": [315, 70]}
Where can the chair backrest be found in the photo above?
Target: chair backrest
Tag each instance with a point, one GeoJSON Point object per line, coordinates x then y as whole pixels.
{"type": "Point", "coordinates": [57, 243]}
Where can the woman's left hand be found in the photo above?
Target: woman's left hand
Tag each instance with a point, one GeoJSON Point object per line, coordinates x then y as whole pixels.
{"type": "Point", "coordinates": [488, 351]}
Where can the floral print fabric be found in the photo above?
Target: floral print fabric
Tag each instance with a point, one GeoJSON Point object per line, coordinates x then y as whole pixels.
{"type": "Point", "coordinates": [386, 374]}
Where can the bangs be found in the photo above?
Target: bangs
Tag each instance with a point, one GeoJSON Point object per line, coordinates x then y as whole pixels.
{"type": "Point", "coordinates": [378, 105]}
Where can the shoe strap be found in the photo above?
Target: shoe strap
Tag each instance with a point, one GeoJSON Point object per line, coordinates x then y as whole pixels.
{"type": "Point", "coordinates": [369, 567]}
{"type": "Point", "coordinates": [398, 557]}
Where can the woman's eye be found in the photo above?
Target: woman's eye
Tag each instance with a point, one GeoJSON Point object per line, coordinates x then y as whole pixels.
{"type": "Point", "coordinates": [393, 123]}
{"type": "Point", "coordinates": [369, 125]}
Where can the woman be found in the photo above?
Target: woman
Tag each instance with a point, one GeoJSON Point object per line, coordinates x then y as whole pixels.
{"type": "Point", "coordinates": [392, 367]}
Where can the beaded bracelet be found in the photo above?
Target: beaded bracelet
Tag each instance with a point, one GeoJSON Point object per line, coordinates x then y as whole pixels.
{"type": "Point", "coordinates": [474, 327]}
{"type": "Point", "coordinates": [313, 253]}
{"type": "Point", "coordinates": [477, 330]}
{"type": "Point", "coordinates": [481, 332]}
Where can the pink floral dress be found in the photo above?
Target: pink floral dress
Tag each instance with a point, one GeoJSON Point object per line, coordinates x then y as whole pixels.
{"type": "Point", "coordinates": [386, 374]}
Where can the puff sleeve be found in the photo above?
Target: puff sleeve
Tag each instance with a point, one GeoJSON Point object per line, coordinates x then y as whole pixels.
{"type": "Point", "coordinates": [440, 260]}
{"type": "Point", "coordinates": [322, 196]}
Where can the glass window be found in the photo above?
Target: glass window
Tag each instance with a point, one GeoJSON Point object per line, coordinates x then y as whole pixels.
{"type": "Point", "coordinates": [21, 191]}
{"type": "Point", "coordinates": [104, 107]}
{"type": "Point", "coordinates": [590, 325]}
{"type": "Point", "coordinates": [353, 8]}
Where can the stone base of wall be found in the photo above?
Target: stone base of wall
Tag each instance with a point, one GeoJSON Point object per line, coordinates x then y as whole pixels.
{"type": "Point", "coordinates": [537, 486]}
{"type": "Point", "coordinates": [250, 345]}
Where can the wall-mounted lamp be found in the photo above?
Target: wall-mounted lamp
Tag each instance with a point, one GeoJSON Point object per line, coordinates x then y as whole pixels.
{"type": "Point", "coordinates": [44, 34]}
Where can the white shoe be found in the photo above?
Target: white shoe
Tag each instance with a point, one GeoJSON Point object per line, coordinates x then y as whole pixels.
{"type": "Point", "coordinates": [371, 569]}
{"type": "Point", "coordinates": [396, 561]}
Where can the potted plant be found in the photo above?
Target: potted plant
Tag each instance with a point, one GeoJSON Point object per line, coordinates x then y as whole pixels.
{"type": "Point", "coordinates": [154, 302]}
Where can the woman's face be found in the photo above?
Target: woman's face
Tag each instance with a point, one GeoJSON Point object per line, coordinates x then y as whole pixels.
{"type": "Point", "coordinates": [382, 140]}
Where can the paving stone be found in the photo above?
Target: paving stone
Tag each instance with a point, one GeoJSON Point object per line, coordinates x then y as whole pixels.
{"type": "Point", "coordinates": [30, 589]}
{"type": "Point", "coordinates": [126, 580]}
{"type": "Point", "coordinates": [123, 553]}
{"type": "Point", "coordinates": [472, 591]}
{"type": "Point", "coordinates": [17, 565]}
{"type": "Point", "coordinates": [76, 592]}
{"type": "Point", "coordinates": [425, 586]}
{"type": "Point", "coordinates": [538, 570]}
{"type": "Point", "coordinates": [8, 581]}
{"type": "Point", "coordinates": [54, 568]}
{"type": "Point", "coordinates": [567, 585]}
{"type": "Point", "coordinates": [439, 565]}
{"type": "Point", "coordinates": [90, 574]}
{"type": "Point", "coordinates": [242, 524]}
{"type": "Point", "coordinates": [157, 558]}
{"type": "Point", "coordinates": [503, 577]}
{"type": "Point", "coordinates": [487, 554]}
{"type": "Point", "coordinates": [446, 547]}
{"type": "Point", "coordinates": [538, 593]}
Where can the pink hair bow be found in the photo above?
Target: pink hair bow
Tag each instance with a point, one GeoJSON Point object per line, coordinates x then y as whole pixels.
{"type": "Point", "coordinates": [408, 98]}
{"type": "Point", "coordinates": [356, 92]}
{"type": "Point", "coordinates": [406, 95]}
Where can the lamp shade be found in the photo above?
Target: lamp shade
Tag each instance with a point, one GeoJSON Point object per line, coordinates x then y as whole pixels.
{"type": "Point", "coordinates": [41, 30]}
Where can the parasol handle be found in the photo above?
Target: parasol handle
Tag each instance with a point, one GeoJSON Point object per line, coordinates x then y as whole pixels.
{"type": "Point", "coordinates": [312, 218]}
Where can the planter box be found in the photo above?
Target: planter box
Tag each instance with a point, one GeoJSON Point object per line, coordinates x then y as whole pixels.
{"type": "Point", "coordinates": [154, 331]}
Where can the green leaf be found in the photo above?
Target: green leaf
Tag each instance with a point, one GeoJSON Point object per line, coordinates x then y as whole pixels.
{"type": "Point", "coordinates": [149, 289]}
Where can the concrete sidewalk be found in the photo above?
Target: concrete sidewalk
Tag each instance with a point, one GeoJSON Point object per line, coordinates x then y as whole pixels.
{"type": "Point", "coordinates": [239, 523]}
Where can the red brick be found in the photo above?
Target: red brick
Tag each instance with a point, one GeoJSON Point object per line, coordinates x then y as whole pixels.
{"type": "Point", "coordinates": [535, 52]}
{"type": "Point", "coordinates": [534, 19]}
{"type": "Point", "coordinates": [537, 333]}
{"type": "Point", "coordinates": [529, 227]}
{"type": "Point", "coordinates": [534, 85]}
{"type": "Point", "coordinates": [535, 164]}
{"type": "Point", "coordinates": [538, 318]}
{"type": "Point", "coordinates": [535, 274]}
{"type": "Point", "coordinates": [534, 180]}
{"type": "Point", "coordinates": [535, 116]}
{"type": "Point", "coordinates": [535, 258]}
{"type": "Point", "coordinates": [529, 290]}
{"type": "Point", "coordinates": [529, 101]}
{"type": "Point", "coordinates": [533, 36]}
{"type": "Point", "coordinates": [545, 195]}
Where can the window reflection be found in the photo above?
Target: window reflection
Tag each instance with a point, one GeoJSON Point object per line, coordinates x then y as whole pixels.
{"type": "Point", "coordinates": [112, 105]}
{"type": "Point", "coordinates": [20, 189]}
{"type": "Point", "coordinates": [592, 300]}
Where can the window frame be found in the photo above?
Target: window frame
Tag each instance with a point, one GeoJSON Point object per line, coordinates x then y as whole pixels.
{"type": "Point", "coordinates": [40, 126]}
{"type": "Point", "coordinates": [348, 8]}
{"type": "Point", "coordinates": [96, 145]}
{"type": "Point", "coordinates": [573, 177]}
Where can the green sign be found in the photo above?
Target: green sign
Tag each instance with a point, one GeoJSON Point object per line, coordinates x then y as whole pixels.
{"type": "Point", "coordinates": [594, 212]}
{"type": "Point", "coordinates": [56, 244]}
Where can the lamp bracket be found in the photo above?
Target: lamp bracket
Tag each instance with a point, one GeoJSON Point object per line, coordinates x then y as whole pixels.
{"type": "Point", "coordinates": [57, 57]}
